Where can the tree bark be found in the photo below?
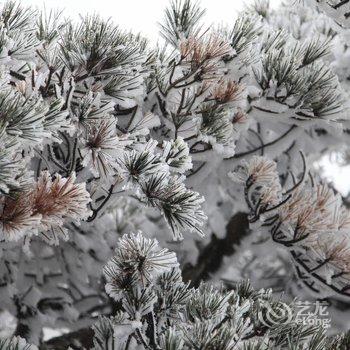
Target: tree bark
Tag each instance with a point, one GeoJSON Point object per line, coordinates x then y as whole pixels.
{"type": "Point", "coordinates": [81, 339]}
{"type": "Point", "coordinates": [211, 257]}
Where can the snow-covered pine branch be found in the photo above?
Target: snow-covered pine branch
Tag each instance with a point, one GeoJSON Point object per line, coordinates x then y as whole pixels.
{"type": "Point", "coordinates": [309, 219]}
{"type": "Point", "coordinates": [103, 134]}
{"type": "Point", "coordinates": [159, 311]}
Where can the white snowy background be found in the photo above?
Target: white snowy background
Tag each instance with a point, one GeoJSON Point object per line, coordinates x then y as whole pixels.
{"type": "Point", "coordinates": [142, 15]}
{"type": "Point", "coordinates": [337, 174]}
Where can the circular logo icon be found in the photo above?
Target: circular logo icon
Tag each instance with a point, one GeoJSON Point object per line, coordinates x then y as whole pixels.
{"type": "Point", "coordinates": [276, 313]}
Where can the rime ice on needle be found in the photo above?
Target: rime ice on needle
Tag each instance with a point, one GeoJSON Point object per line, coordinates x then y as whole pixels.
{"type": "Point", "coordinates": [44, 208]}
{"type": "Point", "coordinates": [309, 219]}
{"type": "Point", "coordinates": [137, 260]}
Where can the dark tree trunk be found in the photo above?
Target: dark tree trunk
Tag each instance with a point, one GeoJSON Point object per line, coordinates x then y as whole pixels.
{"type": "Point", "coordinates": [81, 339]}
{"type": "Point", "coordinates": [211, 257]}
